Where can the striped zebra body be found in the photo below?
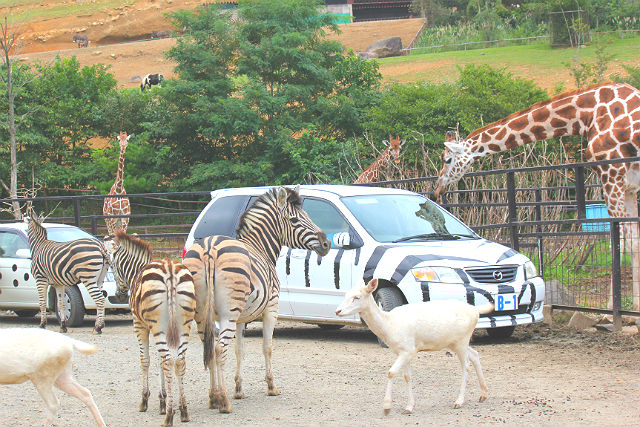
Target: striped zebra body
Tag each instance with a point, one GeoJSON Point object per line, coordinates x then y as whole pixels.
{"type": "Point", "coordinates": [61, 264]}
{"type": "Point", "coordinates": [163, 303]}
{"type": "Point", "coordinates": [236, 282]}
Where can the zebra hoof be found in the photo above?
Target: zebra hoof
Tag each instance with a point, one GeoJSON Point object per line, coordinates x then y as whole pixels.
{"type": "Point", "coordinates": [168, 420]}
{"type": "Point", "coordinates": [63, 329]}
{"type": "Point", "coordinates": [97, 332]}
{"type": "Point", "coordinates": [184, 414]}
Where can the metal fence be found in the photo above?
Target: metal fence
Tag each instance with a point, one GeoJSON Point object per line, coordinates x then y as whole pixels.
{"type": "Point", "coordinates": [558, 226]}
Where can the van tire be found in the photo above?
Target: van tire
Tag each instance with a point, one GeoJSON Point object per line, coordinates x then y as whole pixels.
{"type": "Point", "coordinates": [75, 303]}
{"type": "Point", "coordinates": [387, 299]}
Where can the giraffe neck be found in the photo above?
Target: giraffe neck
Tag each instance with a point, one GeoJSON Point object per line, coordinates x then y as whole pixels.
{"type": "Point", "coordinates": [564, 115]}
{"type": "Point", "coordinates": [372, 173]}
{"type": "Point", "coordinates": [118, 185]}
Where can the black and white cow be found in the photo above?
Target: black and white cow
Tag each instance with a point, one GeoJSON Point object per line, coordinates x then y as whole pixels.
{"type": "Point", "coordinates": [150, 80]}
{"type": "Point", "coordinates": [81, 39]}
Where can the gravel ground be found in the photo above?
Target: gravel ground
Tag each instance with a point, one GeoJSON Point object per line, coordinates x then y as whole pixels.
{"type": "Point", "coordinates": [540, 376]}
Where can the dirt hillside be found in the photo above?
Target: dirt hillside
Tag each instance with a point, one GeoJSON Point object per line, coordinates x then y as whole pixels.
{"type": "Point", "coordinates": [121, 36]}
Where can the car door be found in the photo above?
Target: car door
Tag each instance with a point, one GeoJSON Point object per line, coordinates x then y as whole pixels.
{"type": "Point", "coordinates": [17, 285]}
{"type": "Point", "coordinates": [316, 285]}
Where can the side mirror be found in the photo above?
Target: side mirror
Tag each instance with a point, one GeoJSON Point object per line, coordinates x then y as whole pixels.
{"type": "Point", "coordinates": [23, 253]}
{"type": "Point", "coordinates": [342, 239]}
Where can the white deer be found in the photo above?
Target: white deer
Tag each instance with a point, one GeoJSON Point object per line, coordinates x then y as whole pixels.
{"type": "Point", "coordinates": [426, 326]}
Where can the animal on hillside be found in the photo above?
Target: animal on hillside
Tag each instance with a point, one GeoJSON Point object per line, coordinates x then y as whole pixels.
{"type": "Point", "coordinates": [61, 264]}
{"type": "Point", "coordinates": [81, 39]}
{"type": "Point", "coordinates": [44, 358]}
{"type": "Point", "coordinates": [160, 34]}
{"type": "Point", "coordinates": [426, 326]}
{"type": "Point", "coordinates": [162, 302]}
{"type": "Point", "coordinates": [375, 170]}
{"type": "Point", "coordinates": [150, 80]}
{"type": "Point", "coordinates": [607, 115]}
{"type": "Point", "coordinates": [236, 281]}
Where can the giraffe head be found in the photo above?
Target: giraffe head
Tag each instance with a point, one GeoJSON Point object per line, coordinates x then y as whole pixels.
{"type": "Point", "coordinates": [123, 138]}
{"type": "Point", "coordinates": [456, 161]}
{"type": "Point", "coordinates": [394, 145]}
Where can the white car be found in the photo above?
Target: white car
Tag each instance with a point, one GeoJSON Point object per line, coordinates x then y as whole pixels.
{"type": "Point", "coordinates": [18, 290]}
{"type": "Point", "coordinates": [416, 249]}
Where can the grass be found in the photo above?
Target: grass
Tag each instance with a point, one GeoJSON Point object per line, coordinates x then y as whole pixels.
{"type": "Point", "coordinates": [33, 11]}
{"type": "Point", "coordinates": [537, 62]}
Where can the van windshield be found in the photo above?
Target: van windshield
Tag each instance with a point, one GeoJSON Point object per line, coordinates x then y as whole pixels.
{"type": "Point", "coordinates": [405, 217]}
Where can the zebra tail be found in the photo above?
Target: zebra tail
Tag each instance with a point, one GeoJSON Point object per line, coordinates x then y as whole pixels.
{"type": "Point", "coordinates": [209, 313]}
{"type": "Point", "coordinates": [173, 333]}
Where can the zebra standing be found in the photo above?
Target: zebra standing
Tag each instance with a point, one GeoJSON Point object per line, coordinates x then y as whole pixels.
{"type": "Point", "coordinates": [61, 264]}
{"type": "Point", "coordinates": [236, 282]}
{"type": "Point", "coordinates": [162, 301]}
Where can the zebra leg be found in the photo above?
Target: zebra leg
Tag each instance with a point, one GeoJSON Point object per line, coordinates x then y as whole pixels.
{"type": "Point", "coordinates": [162, 394]}
{"type": "Point", "coordinates": [143, 339]}
{"type": "Point", "coordinates": [95, 290]}
{"type": "Point", "coordinates": [62, 307]}
{"type": "Point", "coordinates": [42, 284]}
{"type": "Point", "coordinates": [180, 370]}
{"type": "Point", "coordinates": [268, 324]}
{"type": "Point", "coordinates": [167, 372]}
{"type": "Point", "coordinates": [227, 333]}
{"type": "Point", "coordinates": [239, 394]}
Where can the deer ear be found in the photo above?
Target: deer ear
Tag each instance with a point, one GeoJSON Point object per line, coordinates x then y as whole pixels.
{"type": "Point", "coordinates": [454, 147]}
{"type": "Point", "coordinates": [372, 285]}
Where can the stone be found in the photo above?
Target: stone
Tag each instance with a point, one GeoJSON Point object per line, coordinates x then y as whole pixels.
{"type": "Point", "coordinates": [630, 330]}
{"type": "Point", "coordinates": [366, 55]}
{"type": "Point", "coordinates": [384, 48]}
{"type": "Point", "coordinates": [556, 293]}
{"type": "Point", "coordinates": [605, 327]}
{"type": "Point", "coordinates": [580, 321]}
{"type": "Point", "coordinates": [547, 313]}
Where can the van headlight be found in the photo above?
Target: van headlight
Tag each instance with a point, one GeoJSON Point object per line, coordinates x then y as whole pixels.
{"type": "Point", "coordinates": [530, 270]}
{"type": "Point", "coordinates": [436, 274]}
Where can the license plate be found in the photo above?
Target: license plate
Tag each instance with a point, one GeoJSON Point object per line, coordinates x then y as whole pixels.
{"type": "Point", "coordinates": [506, 302]}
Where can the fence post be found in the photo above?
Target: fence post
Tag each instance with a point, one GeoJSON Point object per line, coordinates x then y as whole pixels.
{"type": "Point", "coordinates": [539, 231]}
{"type": "Point", "coordinates": [94, 225]}
{"type": "Point", "coordinates": [615, 275]}
{"type": "Point", "coordinates": [76, 211]}
{"type": "Point", "coordinates": [580, 196]}
{"type": "Point", "coordinates": [513, 212]}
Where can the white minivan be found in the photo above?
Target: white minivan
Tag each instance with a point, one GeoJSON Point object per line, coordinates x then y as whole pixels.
{"type": "Point", "coordinates": [416, 249]}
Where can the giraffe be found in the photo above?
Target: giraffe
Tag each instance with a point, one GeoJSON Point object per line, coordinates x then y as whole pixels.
{"type": "Point", "coordinates": [118, 205]}
{"type": "Point", "coordinates": [607, 115]}
{"type": "Point", "coordinates": [372, 173]}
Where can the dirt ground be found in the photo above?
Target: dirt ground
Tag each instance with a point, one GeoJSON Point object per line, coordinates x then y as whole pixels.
{"type": "Point", "coordinates": [540, 376]}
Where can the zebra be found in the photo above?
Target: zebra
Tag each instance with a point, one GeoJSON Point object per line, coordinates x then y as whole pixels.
{"type": "Point", "coordinates": [236, 282]}
{"type": "Point", "coordinates": [162, 302]}
{"type": "Point", "coordinates": [66, 264]}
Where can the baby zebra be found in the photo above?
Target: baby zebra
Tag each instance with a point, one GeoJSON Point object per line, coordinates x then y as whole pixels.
{"type": "Point", "coordinates": [66, 264]}
{"type": "Point", "coordinates": [162, 301]}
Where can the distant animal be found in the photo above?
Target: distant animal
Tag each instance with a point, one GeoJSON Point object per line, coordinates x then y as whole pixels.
{"type": "Point", "coordinates": [44, 358]}
{"type": "Point", "coordinates": [150, 80]}
{"type": "Point", "coordinates": [81, 39]}
{"type": "Point", "coordinates": [160, 34]}
{"type": "Point", "coordinates": [426, 326]}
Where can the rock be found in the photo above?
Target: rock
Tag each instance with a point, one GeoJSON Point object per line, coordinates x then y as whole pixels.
{"type": "Point", "coordinates": [630, 320]}
{"type": "Point", "coordinates": [605, 327]}
{"type": "Point", "coordinates": [630, 330]}
{"type": "Point", "coordinates": [366, 55]}
{"type": "Point", "coordinates": [580, 321]}
{"type": "Point", "coordinates": [384, 48]}
{"type": "Point", "coordinates": [556, 293]}
{"type": "Point", "coordinates": [547, 313]}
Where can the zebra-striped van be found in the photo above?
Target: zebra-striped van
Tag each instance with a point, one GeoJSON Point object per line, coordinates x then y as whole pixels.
{"type": "Point", "coordinates": [18, 291]}
{"type": "Point", "coordinates": [416, 249]}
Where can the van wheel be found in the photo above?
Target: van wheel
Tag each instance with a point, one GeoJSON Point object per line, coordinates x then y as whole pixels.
{"type": "Point", "coordinates": [501, 333]}
{"type": "Point", "coordinates": [388, 299]}
{"type": "Point", "coordinates": [74, 313]}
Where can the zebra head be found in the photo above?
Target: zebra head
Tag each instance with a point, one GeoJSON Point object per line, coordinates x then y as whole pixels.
{"type": "Point", "coordinates": [298, 230]}
{"type": "Point", "coordinates": [35, 231]}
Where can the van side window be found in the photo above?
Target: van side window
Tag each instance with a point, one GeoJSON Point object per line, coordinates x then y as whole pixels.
{"type": "Point", "coordinates": [325, 216]}
{"type": "Point", "coordinates": [10, 243]}
{"type": "Point", "coordinates": [222, 217]}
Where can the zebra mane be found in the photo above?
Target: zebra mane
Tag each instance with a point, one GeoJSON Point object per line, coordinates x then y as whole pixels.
{"type": "Point", "coordinates": [133, 243]}
{"type": "Point", "coordinates": [267, 199]}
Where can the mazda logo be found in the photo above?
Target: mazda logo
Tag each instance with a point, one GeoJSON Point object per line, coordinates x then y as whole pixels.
{"type": "Point", "coordinates": [497, 275]}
